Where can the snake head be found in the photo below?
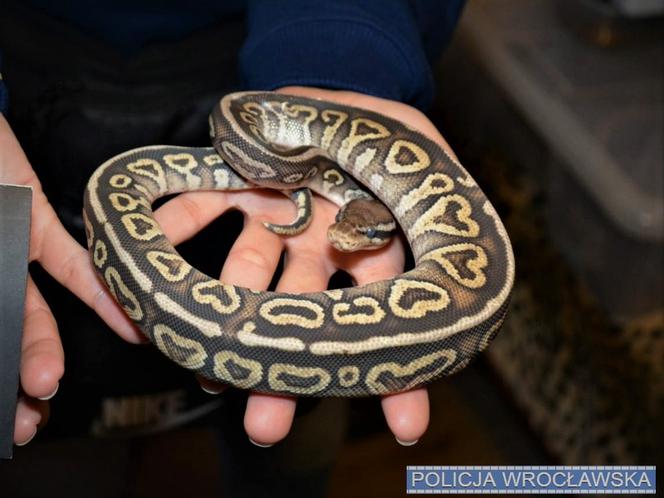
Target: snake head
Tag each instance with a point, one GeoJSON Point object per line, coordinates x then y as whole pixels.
{"type": "Point", "coordinates": [361, 224]}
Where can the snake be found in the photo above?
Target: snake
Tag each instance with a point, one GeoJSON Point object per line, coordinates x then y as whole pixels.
{"type": "Point", "coordinates": [384, 337]}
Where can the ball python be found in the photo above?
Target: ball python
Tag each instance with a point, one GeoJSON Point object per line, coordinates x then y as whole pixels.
{"type": "Point", "coordinates": [384, 337]}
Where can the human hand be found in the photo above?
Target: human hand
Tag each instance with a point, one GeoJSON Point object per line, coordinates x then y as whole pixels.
{"type": "Point", "coordinates": [310, 262]}
{"type": "Point", "coordinates": [42, 357]}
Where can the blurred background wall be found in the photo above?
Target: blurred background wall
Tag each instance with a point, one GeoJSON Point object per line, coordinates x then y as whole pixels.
{"type": "Point", "coordinates": [556, 108]}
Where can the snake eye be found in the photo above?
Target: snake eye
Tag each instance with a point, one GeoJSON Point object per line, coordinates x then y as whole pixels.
{"type": "Point", "coordinates": [370, 233]}
{"type": "Point", "coordinates": [337, 218]}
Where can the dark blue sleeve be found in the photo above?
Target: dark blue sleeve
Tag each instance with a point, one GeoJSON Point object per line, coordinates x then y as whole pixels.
{"type": "Point", "coordinates": [373, 47]}
{"type": "Point", "coordinates": [3, 91]}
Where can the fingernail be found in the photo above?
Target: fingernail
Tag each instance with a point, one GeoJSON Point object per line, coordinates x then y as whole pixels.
{"type": "Point", "coordinates": [211, 390]}
{"type": "Point", "coordinates": [29, 439]}
{"type": "Point", "coordinates": [49, 396]}
{"type": "Point", "coordinates": [210, 386]}
{"type": "Point", "coordinates": [406, 443]}
{"type": "Point", "coordinates": [260, 445]}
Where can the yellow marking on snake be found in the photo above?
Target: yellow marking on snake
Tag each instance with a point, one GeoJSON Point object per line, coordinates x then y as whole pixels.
{"type": "Point", "coordinates": [363, 160]}
{"type": "Point", "coordinates": [221, 370]}
{"type": "Point", "coordinates": [434, 184]}
{"type": "Point", "coordinates": [150, 228]}
{"type": "Point", "coordinates": [122, 293]}
{"type": "Point", "coordinates": [294, 178]}
{"type": "Point", "coordinates": [205, 327]}
{"type": "Point", "coordinates": [213, 159]}
{"type": "Point", "coordinates": [253, 111]}
{"type": "Point", "coordinates": [348, 375]}
{"type": "Point", "coordinates": [143, 190]}
{"type": "Point", "coordinates": [124, 202]}
{"type": "Point", "coordinates": [371, 131]}
{"type": "Point", "coordinates": [406, 157]}
{"type": "Point", "coordinates": [137, 274]}
{"type": "Point", "coordinates": [231, 299]}
{"type": "Point", "coordinates": [248, 337]}
{"type": "Point", "coordinates": [376, 181]}
{"type": "Point", "coordinates": [332, 178]}
{"type": "Point", "coordinates": [151, 169]}
{"type": "Point", "coordinates": [267, 309]}
{"type": "Point", "coordinates": [433, 219]}
{"type": "Point", "coordinates": [397, 370]}
{"type": "Point", "coordinates": [334, 294]}
{"type": "Point", "coordinates": [353, 193]}
{"type": "Point", "coordinates": [249, 118]}
{"type": "Point", "coordinates": [475, 264]}
{"type": "Point", "coordinates": [184, 163]}
{"type": "Point", "coordinates": [194, 353]}
{"type": "Point", "coordinates": [295, 110]}
{"type": "Point", "coordinates": [419, 306]}
{"type": "Point", "coordinates": [337, 118]}
{"type": "Point", "coordinates": [120, 181]}
{"type": "Point", "coordinates": [99, 254]}
{"type": "Point", "coordinates": [278, 371]}
{"type": "Point", "coordinates": [459, 366]}
{"type": "Point", "coordinates": [221, 179]}
{"type": "Point", "coordinates": [341, 314]}
{"type": "Point", "coordinates": [176, 271]}
{"type": "Point", "coordinates": [275, 134]}
{"type": "Point", "coordinates": [466, 181]}
{"type": "Point", "coordinates": [488, 336]}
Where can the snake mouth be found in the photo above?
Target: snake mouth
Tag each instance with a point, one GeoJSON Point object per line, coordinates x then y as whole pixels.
{"type": "Point", "coordinates": [345, 238]}
{"type": "Point", "coordinates": [341, 241]}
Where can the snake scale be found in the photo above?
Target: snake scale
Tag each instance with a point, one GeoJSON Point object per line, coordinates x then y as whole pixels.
{"type": "Point", "coordinates": [380, 338]}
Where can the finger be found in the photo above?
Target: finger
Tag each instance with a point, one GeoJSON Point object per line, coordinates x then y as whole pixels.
{"type": "Point", "coordinates": [187, 214]}
{"type": "Point", "coordinates": [70, 264]}
{"type": "Point", "coordinates": [268, 418]}
{"type": "Point", "coordinates": [251, 263]}
{"type": "Point", "coordinates": [407, 415]}
{"type": "Point", "coordinates": [254, 257]}
{"type": "Point", "coordinates": [30, 415]}
{"type": "Point", "coordinates": [304, 271]}
{"type": "Point", "coordinates": [54, 248]}
{"type": "Point", "coordinates": [379, 265]}
{"type": "Point", "coordinates": [42, 356]}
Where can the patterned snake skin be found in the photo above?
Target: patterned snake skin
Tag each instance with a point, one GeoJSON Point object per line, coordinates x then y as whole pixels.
{"type": "Point", "coordinates": [380, 338]}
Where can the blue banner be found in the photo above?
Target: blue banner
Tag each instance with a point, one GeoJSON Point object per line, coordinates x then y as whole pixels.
{"type": "Point", "coordinates": [616, 479]}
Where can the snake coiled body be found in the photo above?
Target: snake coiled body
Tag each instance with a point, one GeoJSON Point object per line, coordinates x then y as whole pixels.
{"type": "Point", "coordinates": [384, 337]}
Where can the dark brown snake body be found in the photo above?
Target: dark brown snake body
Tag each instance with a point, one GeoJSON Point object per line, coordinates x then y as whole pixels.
{"type": "Point", "coordinates": [384, 337]}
